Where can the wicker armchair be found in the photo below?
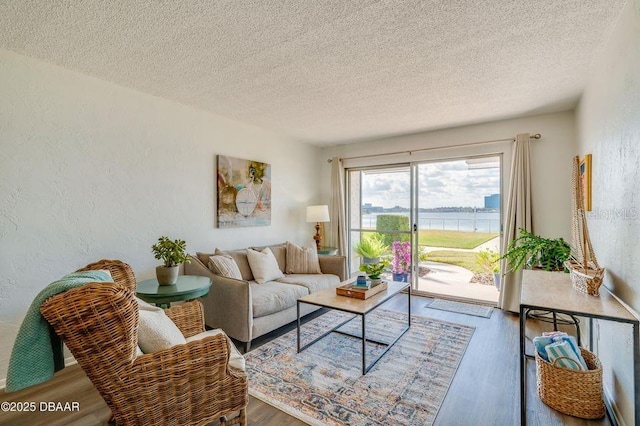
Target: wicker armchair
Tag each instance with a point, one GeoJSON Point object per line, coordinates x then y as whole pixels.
{"type": "Point", "coordinates": [188, 384]}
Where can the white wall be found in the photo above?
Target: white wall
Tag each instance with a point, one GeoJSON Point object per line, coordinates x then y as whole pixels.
{"type": "Point", "coordinates": [551, 158]}
{"type": "Point", "coordinates": [608, 126]}
{"type": "Point", "coordinates": [92, 170]}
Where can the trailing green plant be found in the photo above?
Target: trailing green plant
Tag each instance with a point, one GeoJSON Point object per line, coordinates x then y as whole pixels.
{"type": "Point", "coordinates": [488, 261]}
{"type": "Point", "coordinates": [371, 246]}
{"type": "Point", "coordinates": [172, 253]}
{"type": "Point", "coordinates": [393, 222]}
{"type": "Point", "coordinates": [532, 251]}
{"type": "Point", "coordinates": [374, 270]}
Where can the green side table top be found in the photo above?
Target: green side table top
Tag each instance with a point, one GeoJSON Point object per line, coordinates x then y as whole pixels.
{"type": "Point", "coordinates": [328, 250]}
{"type": "Point", "coordinates": [188, 287]}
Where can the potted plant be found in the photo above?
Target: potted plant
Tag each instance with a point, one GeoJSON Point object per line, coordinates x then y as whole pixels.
{"type": "Point", "coordinates": [370, 248]}
{"type": "Point", "coordinates": [489, 263]}
{"type": "Point", "coordinates": [172, 254]}
{"type": "Point", "coordinates": [374, 270]}
{"type": "Point", "coordinates": [532, 251]}
{"type": "Point", "coordinates": [401, 263]}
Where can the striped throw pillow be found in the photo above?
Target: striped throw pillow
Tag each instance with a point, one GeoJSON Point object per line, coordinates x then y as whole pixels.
{"type": "Point", "coordinates": [224, 266]}
{"type": "Point", "coordinates": [302, 260]}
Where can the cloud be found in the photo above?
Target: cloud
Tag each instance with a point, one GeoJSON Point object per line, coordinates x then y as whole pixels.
{"type": "Point", "coordinates": [445, 184]}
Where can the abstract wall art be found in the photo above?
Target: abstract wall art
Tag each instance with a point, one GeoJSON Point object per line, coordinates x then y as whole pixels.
{"type": "Point", "coordinates": [244, 193]}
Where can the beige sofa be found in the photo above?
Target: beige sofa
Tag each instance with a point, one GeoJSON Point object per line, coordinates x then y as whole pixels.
{"type": "Point", "coordinates": [245, 309]}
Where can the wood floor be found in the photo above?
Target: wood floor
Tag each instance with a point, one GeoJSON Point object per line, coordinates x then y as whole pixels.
{"type": "Point", "coordinates": [485, 390]}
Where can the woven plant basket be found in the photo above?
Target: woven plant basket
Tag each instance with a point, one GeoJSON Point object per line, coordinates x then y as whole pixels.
{"type": "Point", "coordinates": [572, 392]}
{"type": "Point", "coordinates": [586, 280]}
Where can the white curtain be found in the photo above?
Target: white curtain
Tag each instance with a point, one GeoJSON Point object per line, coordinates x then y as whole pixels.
{"type": "Point", "coordinates": [518, 215]}
{"type": "Point", "coordinates": [337, 234]}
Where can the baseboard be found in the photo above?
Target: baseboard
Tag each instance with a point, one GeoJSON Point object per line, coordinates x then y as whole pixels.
{"type": "Point", "coordinates": [612, 409]}
{"type": "Point", "coordinates": [69, 361]}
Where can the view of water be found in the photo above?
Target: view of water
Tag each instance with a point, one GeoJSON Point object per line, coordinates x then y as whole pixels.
{"type": "Point", "coordinates": [449, 221]}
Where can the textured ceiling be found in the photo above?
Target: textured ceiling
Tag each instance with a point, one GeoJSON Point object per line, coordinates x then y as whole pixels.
{"type": "Point", "coordinates": [328, 71]}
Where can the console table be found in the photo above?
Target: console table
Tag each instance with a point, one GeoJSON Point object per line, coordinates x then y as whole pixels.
{"type": "Point", "coordinates": [188, 287]}
{"type": "Point", "coordinates": [552, 291]}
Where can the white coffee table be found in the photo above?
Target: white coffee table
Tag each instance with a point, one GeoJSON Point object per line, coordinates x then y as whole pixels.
{"type": "Point", "coordinates": [329, 299]}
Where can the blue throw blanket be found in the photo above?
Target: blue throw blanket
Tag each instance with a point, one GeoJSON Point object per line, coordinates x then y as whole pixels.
{"type": "Point", "coordinates": [37, 351]}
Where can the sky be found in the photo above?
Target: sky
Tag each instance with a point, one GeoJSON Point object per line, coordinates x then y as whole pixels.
{"type": "Point", "coordinates": [444, 184]}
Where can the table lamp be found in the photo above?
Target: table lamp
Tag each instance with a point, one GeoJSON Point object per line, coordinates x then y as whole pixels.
{"type": "Point", "coordinates": [318, 214]}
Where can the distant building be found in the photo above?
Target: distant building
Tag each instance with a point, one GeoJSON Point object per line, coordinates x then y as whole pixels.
{"type": "Point", "coordinates": [492, 201]}
{"type": "Point", "coordinates": [369, 208]}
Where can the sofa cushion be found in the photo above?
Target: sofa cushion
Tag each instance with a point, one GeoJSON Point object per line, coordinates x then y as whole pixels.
{"type": "Point", "coordinates": [313, 282]}
{"type": "Point", "coordinates": [264, 265]}
{"type": "Point", "coordinates": [302, 260]}
{"type": "Point", "coordinates": [203, 257]}
{"type": "Point", "coordinates": [240, 256]}
{"type": "Point", "coordinates": [225, 266]}
{"type": "Point", "coordinates": [271, 297]}
{"type": "Point", "coordinates": [279, 252]}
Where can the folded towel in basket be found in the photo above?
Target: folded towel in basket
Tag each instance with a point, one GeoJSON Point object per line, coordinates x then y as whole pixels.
{"type": "Point", "coordinates": [566, 357]}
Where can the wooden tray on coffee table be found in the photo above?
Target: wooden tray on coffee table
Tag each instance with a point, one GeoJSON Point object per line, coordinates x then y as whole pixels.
{"type": "Point", "coordinates": [356, 292]}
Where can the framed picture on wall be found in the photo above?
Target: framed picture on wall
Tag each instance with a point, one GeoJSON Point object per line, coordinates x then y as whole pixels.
{"type": "Point", "coordinates": [585, 181]}
{"type": "Point", "coordinates": [243, 192]}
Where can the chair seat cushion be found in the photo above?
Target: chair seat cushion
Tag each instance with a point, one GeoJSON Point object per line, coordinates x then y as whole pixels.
{"type": "Point", "coordinates": [236, 360]}
{"type": "Point", "coordinates": [313, 282]}
{"type": "Point", "coordinates": [272, 297]}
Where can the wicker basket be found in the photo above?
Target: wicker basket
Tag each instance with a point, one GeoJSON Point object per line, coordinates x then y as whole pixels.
{"type": "Point", "coordinates": [585, 280]}
{"type": "Point", "coordinates": [572, 392]}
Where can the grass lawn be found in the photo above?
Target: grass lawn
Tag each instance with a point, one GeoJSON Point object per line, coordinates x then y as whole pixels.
{"type": "Point", "coordinates": [465, 259]}
{"type": "Point", "coordinates": [453, 239]}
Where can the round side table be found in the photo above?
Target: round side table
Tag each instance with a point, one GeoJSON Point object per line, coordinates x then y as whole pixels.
{"type": "Point", "coordinates": [188, 287]}
{"type": "Point", "coordinates": [328, 250]}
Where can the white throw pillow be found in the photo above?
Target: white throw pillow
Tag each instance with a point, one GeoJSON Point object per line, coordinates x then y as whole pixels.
{"type": "Point", "coordinates": [236, 360]}
{"type": "Point", "coordinates": [156, 331]}
{"type": "Point", "coordinates": [264, 265]}
{"type": "Point", "coordinates": [225, 266]}
{"type": "Point", "coordinates": [302, 260]}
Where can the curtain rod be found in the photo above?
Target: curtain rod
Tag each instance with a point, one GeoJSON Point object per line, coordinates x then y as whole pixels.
{"type": "Point", "coordinates": [536, 136]}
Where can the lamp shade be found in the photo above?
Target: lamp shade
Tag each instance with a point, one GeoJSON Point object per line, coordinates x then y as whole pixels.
{"type": "Point", "coordinates": [318, 213]}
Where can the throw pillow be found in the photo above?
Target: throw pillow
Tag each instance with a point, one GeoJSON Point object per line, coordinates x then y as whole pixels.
{"type": "Point", "coordinates": [302, 260]}
{"type": "Point", "coordinates": [225, 266]}
{"type": "Point", "coordinates": [156, 331]}
{"type": "Point", "coordinates": [264, 265]}
{"type": "Point", "coordinates": [240, 256]}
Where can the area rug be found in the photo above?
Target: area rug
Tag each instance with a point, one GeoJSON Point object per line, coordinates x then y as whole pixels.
{"type": "Point", "coordinates": [461, 308]}
{"type": "Point", "coordinates": [324, 385]}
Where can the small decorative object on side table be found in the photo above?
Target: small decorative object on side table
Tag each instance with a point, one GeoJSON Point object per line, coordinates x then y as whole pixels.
{"type": "Point", "coordinates": [187, 287]}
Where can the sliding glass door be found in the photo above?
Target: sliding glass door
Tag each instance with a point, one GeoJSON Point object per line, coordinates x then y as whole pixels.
{"type": "Point", "coordinates": [458, 221]}
{"type": "Point", "coordinates": [380, 215]}
{"type": "Point", "coordinates": [436, 223]}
